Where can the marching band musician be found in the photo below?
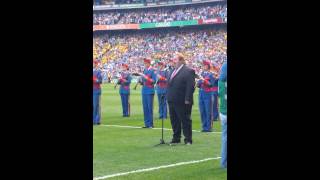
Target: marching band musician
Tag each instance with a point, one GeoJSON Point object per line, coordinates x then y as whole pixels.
{"type": "Point", "coordinates": [148, 80]}
{"type": "Point", "coordinates": [161, 87]}
{"type": "Point", "coordinates": [97, 80]}
{"type": "Point", "coordinates": [205, 84]}
{"type": "Point", "coordinates": [124, 90]}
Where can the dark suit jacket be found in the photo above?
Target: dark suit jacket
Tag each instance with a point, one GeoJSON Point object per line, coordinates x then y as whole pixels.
{"type": "Point", "coordinates": [181, 87]}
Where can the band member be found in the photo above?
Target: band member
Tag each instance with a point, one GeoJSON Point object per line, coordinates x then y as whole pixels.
{"type": "Point", "coordinates": [124, 90]}
{"type": "Point", "coordinates": [148, 78]}
{"type": "Point", "coordinates": [97, 80]}
{"type": "Point", "coordinates": [205, 83]}
{"type": "Point", "coordinates": [162, 84]}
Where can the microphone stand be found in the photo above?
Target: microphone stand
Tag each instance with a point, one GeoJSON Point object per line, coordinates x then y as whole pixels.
{"type": "Point", "coordinates": [161, 106]}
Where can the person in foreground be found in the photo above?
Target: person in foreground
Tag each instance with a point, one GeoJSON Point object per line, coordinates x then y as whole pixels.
{"type": "Point", "coordinates": [180, 99]}
{"type": "Point", "coordinates": [222, 86]}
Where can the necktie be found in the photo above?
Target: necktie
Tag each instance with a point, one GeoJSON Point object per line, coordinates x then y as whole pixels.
{"type": "Point", "coordinates": [174, 73]}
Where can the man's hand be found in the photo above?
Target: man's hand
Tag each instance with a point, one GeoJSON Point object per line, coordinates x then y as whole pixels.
{"type": "Point", "coordinates": [199, 79]}
{"type": "Point", "coordinates": [187, 102]}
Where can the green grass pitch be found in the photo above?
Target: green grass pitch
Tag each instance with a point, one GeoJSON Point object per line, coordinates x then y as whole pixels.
{"type": "Point", "coordinates": [121, 149]}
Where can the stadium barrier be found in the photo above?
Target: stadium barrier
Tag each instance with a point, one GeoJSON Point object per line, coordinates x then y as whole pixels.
{"type": "Point", "coordinates": [160, 24]}
{"type": "Point", "coordinates": [115, 27]}
{"type": "Point", "coordinates": [168, 24]}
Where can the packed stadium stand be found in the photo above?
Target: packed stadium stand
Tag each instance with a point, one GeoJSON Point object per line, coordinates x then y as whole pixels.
{"type": "Point", "coordinates": [197, 30]}
{"type": "Point", "coordinates": [162, 14]}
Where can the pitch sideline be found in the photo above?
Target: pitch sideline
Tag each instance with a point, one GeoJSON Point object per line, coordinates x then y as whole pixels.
{"type": "Point", "coordinates": [155, 168]}
{"type": "Point", "coordinates": [136, 127]}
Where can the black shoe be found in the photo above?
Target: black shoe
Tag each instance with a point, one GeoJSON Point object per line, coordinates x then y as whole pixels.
{"type": "Point", "coordinates": [187, 142]}
{"type": "Point", "coordinates": [175, 141]}
{"type": "Point", "coordinates": [98, 123]}
{"type": "Point", "coordinates": [144, 127]}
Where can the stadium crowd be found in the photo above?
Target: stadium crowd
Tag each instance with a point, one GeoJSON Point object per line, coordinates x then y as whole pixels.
{"type": "Point", "coordinates": [160, 15]}
{"type": "Point", "coordinates": [105, 2]}
{"type": "Point", "coordinates": [196, 45]}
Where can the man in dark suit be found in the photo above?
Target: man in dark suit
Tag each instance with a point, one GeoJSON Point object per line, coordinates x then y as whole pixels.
{"type": "Point", "coordinates": [180, 99]}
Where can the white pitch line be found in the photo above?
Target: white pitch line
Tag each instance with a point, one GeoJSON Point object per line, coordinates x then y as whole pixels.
{"type": "Point", "coordinates": [155, 168]}
{"type": "Point", "coordinates": [136, 127]}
